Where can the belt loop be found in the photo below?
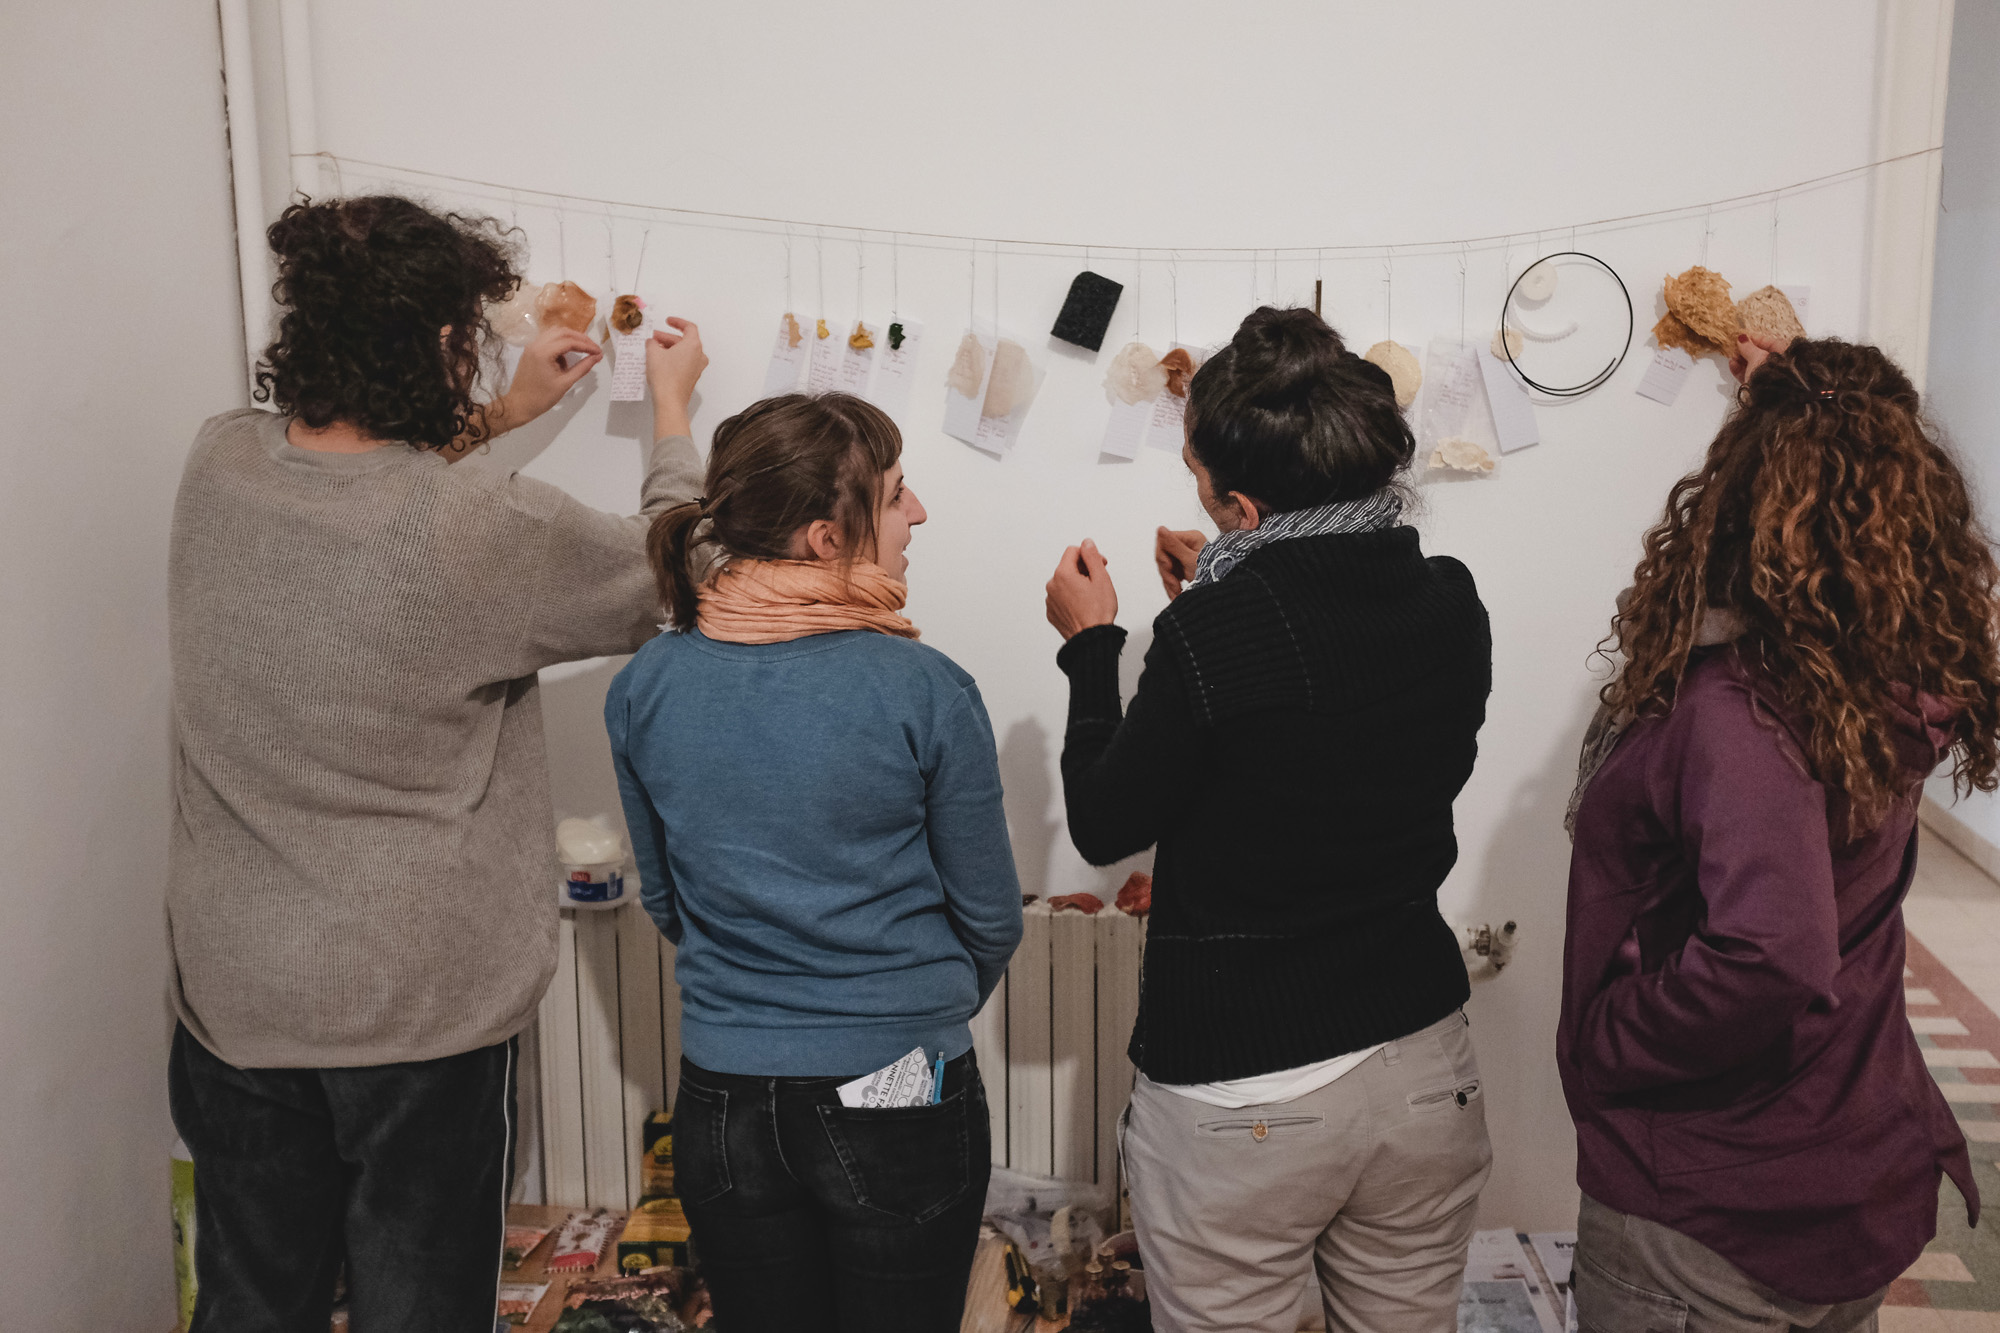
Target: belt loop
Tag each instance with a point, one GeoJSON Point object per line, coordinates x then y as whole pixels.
{"type": "Point", "coordinates": [1391, 1055]}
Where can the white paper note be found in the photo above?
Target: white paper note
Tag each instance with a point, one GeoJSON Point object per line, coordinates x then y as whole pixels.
{"type": "Point", "coordinates": [823, 363]}
{"type": "Point", "coordinates": [1666, 375]}
{"type": "Point", "coordinates": [961, 411]}
{"type": "Point", "coordinates": [1513, 411]}
{"type": "Point", "coordinates": [1497, 1257]}
{"type": "Point", "coordinates": [788, 357]}
{"type": "Point", "coordinates": [907, 1082]}
{"type": "Point", "coordinates": [895, 367]}
{"type": "Point", "coordinates": [628, 365]}
{"type": "Point", "coordinates": [1125, 429]}
{"type": "Point", "coordinates": [1801, 299]}
{"type": "Point", "coordinates": [1168, 427]}
{"type": "Point", "coordinates": [857, 366]}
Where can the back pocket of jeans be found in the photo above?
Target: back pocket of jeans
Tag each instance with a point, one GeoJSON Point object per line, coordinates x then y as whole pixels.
{"type": "Point", "coordinates": [701, 1161]}
{"type": "Point", "coordinates": [911, 1162]}
{"type": "Point", "coordinates": [1605, 1304]}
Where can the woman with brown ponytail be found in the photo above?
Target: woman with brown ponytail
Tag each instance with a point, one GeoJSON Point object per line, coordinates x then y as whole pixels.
{"type": "Point", "coordinates": [1810, 632]}
{"type": "Point", "coordinates": [814, 800]}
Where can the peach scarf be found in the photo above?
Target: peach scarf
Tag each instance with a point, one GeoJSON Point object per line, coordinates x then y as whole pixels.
{"type": "Point", "coordinates": [774, 601]}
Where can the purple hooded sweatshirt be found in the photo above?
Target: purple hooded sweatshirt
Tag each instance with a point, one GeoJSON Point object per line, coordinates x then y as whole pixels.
{"type": "Point", "coordinates": [1733, 1043]}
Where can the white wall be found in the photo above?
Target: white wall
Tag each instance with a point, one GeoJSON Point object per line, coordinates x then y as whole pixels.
{"type": "Point", "coordinates": [121, 334]}
{"type": "Point", "coordinates": [1964, 396]}
{"type": "Point", "coordinates": [1164, 124]}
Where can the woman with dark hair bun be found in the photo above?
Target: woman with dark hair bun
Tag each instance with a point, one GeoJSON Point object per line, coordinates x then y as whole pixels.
{"type": "Point", "coordinates": [814, 799]}
{"type": "Point", "coordinates": [1308, 1094]}
{"type": "Point", "coordinates": [1812, 629]}
{"type": "Point", "coordinates": [360, 886]}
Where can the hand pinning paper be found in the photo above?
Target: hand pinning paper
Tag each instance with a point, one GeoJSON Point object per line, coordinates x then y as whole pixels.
{"type": "Point", "coordinates": [1086, 312]}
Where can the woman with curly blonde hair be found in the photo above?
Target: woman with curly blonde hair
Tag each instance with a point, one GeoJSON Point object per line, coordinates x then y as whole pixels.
{"type": "Point", "coordinates": [1810, 632]}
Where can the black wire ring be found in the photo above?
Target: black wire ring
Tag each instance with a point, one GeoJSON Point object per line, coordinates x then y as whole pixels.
{"type": "Point", "coordinates": [1595, 381]}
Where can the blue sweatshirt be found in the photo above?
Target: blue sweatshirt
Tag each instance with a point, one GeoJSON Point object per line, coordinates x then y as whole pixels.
{"type": "Point", "coordinates": [818, 828]}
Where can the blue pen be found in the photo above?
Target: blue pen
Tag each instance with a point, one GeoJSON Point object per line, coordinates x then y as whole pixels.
{"type": "Point", "coordinates": [937, 1081]}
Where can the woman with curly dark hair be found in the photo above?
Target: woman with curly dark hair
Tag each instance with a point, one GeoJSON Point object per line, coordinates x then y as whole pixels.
{"type": "Point", "coordinates": [360, 893]}
{"type": "Point", "coordinates": [1810, 632]}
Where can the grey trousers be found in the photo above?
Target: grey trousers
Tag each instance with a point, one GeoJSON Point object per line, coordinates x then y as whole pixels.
{"type": "Point", "coordinates": [1372, 1180]}
{"type": "Point", "coordinates": [1635, 1276]}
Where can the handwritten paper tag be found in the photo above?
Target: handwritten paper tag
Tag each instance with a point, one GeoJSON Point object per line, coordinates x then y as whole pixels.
{"type": "Point", "coordinates": [823, 365]}
{"type": "Point", "coordinates": [1513, 411]}
{"type": "Point", "coordinates": [895, 367]}
{"type": "Point", "coordinates": [1167, 429]}
{"type": "Point", "coordinates": [1125, 429]}
{"type": "Point", "coordinates": [788, 357]}
{"type": "Point", "coordinates": [628, 365]}
{"type": "Point", "coordinates": [857, 367]}
{"type": "Point", "coordinates": [1666, 375]}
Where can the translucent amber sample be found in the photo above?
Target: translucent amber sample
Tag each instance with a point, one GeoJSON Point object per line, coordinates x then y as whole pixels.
{"type": "Point", "coordinates": [1178, 367]}
{"type": "Point", "coordinates": [859, 339]}
{"type": "Point", "coordinates": [824, 331]}
{"type": "Point", "coordinates": [564, 305]}
{"type": "Point", "coordinates": [514, 318]}
{"type": "Point", "coordinates": [794, 335]}
{"type": "Point", "coordinates": [627, 314]}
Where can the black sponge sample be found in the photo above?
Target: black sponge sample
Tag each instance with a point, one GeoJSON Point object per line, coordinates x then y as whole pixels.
{"type": "Point", "coordinates": [1086, 315]}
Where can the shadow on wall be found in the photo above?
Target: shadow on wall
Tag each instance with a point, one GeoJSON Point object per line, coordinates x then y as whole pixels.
{"type": "Point", "coordinates": [1525, 876]}
{"type": "Point", "coordinates": [1026, 766]}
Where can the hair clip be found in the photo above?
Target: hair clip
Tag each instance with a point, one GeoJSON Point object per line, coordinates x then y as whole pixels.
{"type": "Point", "coordinates": [1827, 393]}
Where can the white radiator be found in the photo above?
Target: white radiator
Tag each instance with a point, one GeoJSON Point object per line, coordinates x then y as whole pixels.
{"type": "Point", "coordinates": [1051, 1045]}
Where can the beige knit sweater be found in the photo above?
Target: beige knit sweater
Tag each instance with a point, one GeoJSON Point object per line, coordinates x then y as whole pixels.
{"type": "Point", "coordinates": [363, 866]}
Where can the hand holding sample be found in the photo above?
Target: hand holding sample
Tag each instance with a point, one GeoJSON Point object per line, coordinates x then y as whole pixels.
{"type": "Point", "coordinates": [1080, 591]}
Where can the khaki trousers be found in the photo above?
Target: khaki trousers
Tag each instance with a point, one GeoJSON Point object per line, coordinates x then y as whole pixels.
{"type": "Point", "coordinates": [1372, 1180]}
{"type": "Point", "coordinates": [1635, 1276]}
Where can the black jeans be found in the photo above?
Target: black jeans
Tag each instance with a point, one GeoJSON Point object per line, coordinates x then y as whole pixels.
{"type": "Point", "coordinates": [810, 1215]}
{"type": "Point", "coordinates": [400, 1170]}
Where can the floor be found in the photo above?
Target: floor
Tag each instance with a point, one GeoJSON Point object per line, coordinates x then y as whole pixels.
{"type": "Point", "coordinates": [1953, 989]}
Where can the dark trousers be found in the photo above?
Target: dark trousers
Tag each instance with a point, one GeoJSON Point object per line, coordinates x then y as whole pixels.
{"type": "Point", "coordinates": [402, 1171]}
{"type": "Point", "coordinates": [810, 1215]}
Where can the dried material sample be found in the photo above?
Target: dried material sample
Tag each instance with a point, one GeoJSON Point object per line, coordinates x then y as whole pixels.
{"type": "Point", "coordinates": [1135, 895]}
{"type": "Point", "coordinates": [514, 318]}
{"type": "Point", "coordinates": [1086, 312]}
{"type": "Point", "coordinates": [968, 368]}
{"type": "Point", "coordinates": [1700, 299]}
{"type": "Point", "coordinates": [1136, 375]}
{"type": "Point", "coordinates": [1087, 903]}
{"type": "Point", "coordinates": [1404, 372]}
{"type": "Point", "coordinates": [1461, 455]}
{"type": "Point", "coordinates": [627, 314]}
{"type": "Point", "coordinates": [859, 339]}
{"type": "Point", "coordinates": [1178, 366]}
{"type": "Point", "coordinates": [823, 331]}
{"type": "Point", "coordinates": [1538, 282]}
{"type": "Point", "coordinates": [896, 336]}
{"type": "Point", "coordinates": [1768, 311]}
{"type": "Point", "coordinates": [1507, 343]}
{"type": "Point", "coordinates": [1011, 385]}
{"type": "Point", "coordinates": [1670, 332]}
{"type": "Point", "coordinates": [564, 305]}
{"type": "Point", "coordinates": [794, 335]}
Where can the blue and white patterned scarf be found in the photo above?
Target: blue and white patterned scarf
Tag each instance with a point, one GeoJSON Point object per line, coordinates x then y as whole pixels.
{"type": "Point", "coordinates": [1371, 513]}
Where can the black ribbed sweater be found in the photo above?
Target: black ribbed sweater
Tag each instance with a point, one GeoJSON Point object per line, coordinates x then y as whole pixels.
{"type": "Point", "coordinates": [1297, 738]}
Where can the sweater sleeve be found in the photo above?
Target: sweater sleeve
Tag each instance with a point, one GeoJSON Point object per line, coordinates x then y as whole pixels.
{"type": "Point", "coordinates": [594, 593]}
{"type": "Point", "coordinates": [1766, 945]}
{"type": "Point", "coordinates": [1124, 778]}
{"type": "Point", "coordinates": [967, 829]}
{"type": "Point", "coordinates": [642, 821]}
